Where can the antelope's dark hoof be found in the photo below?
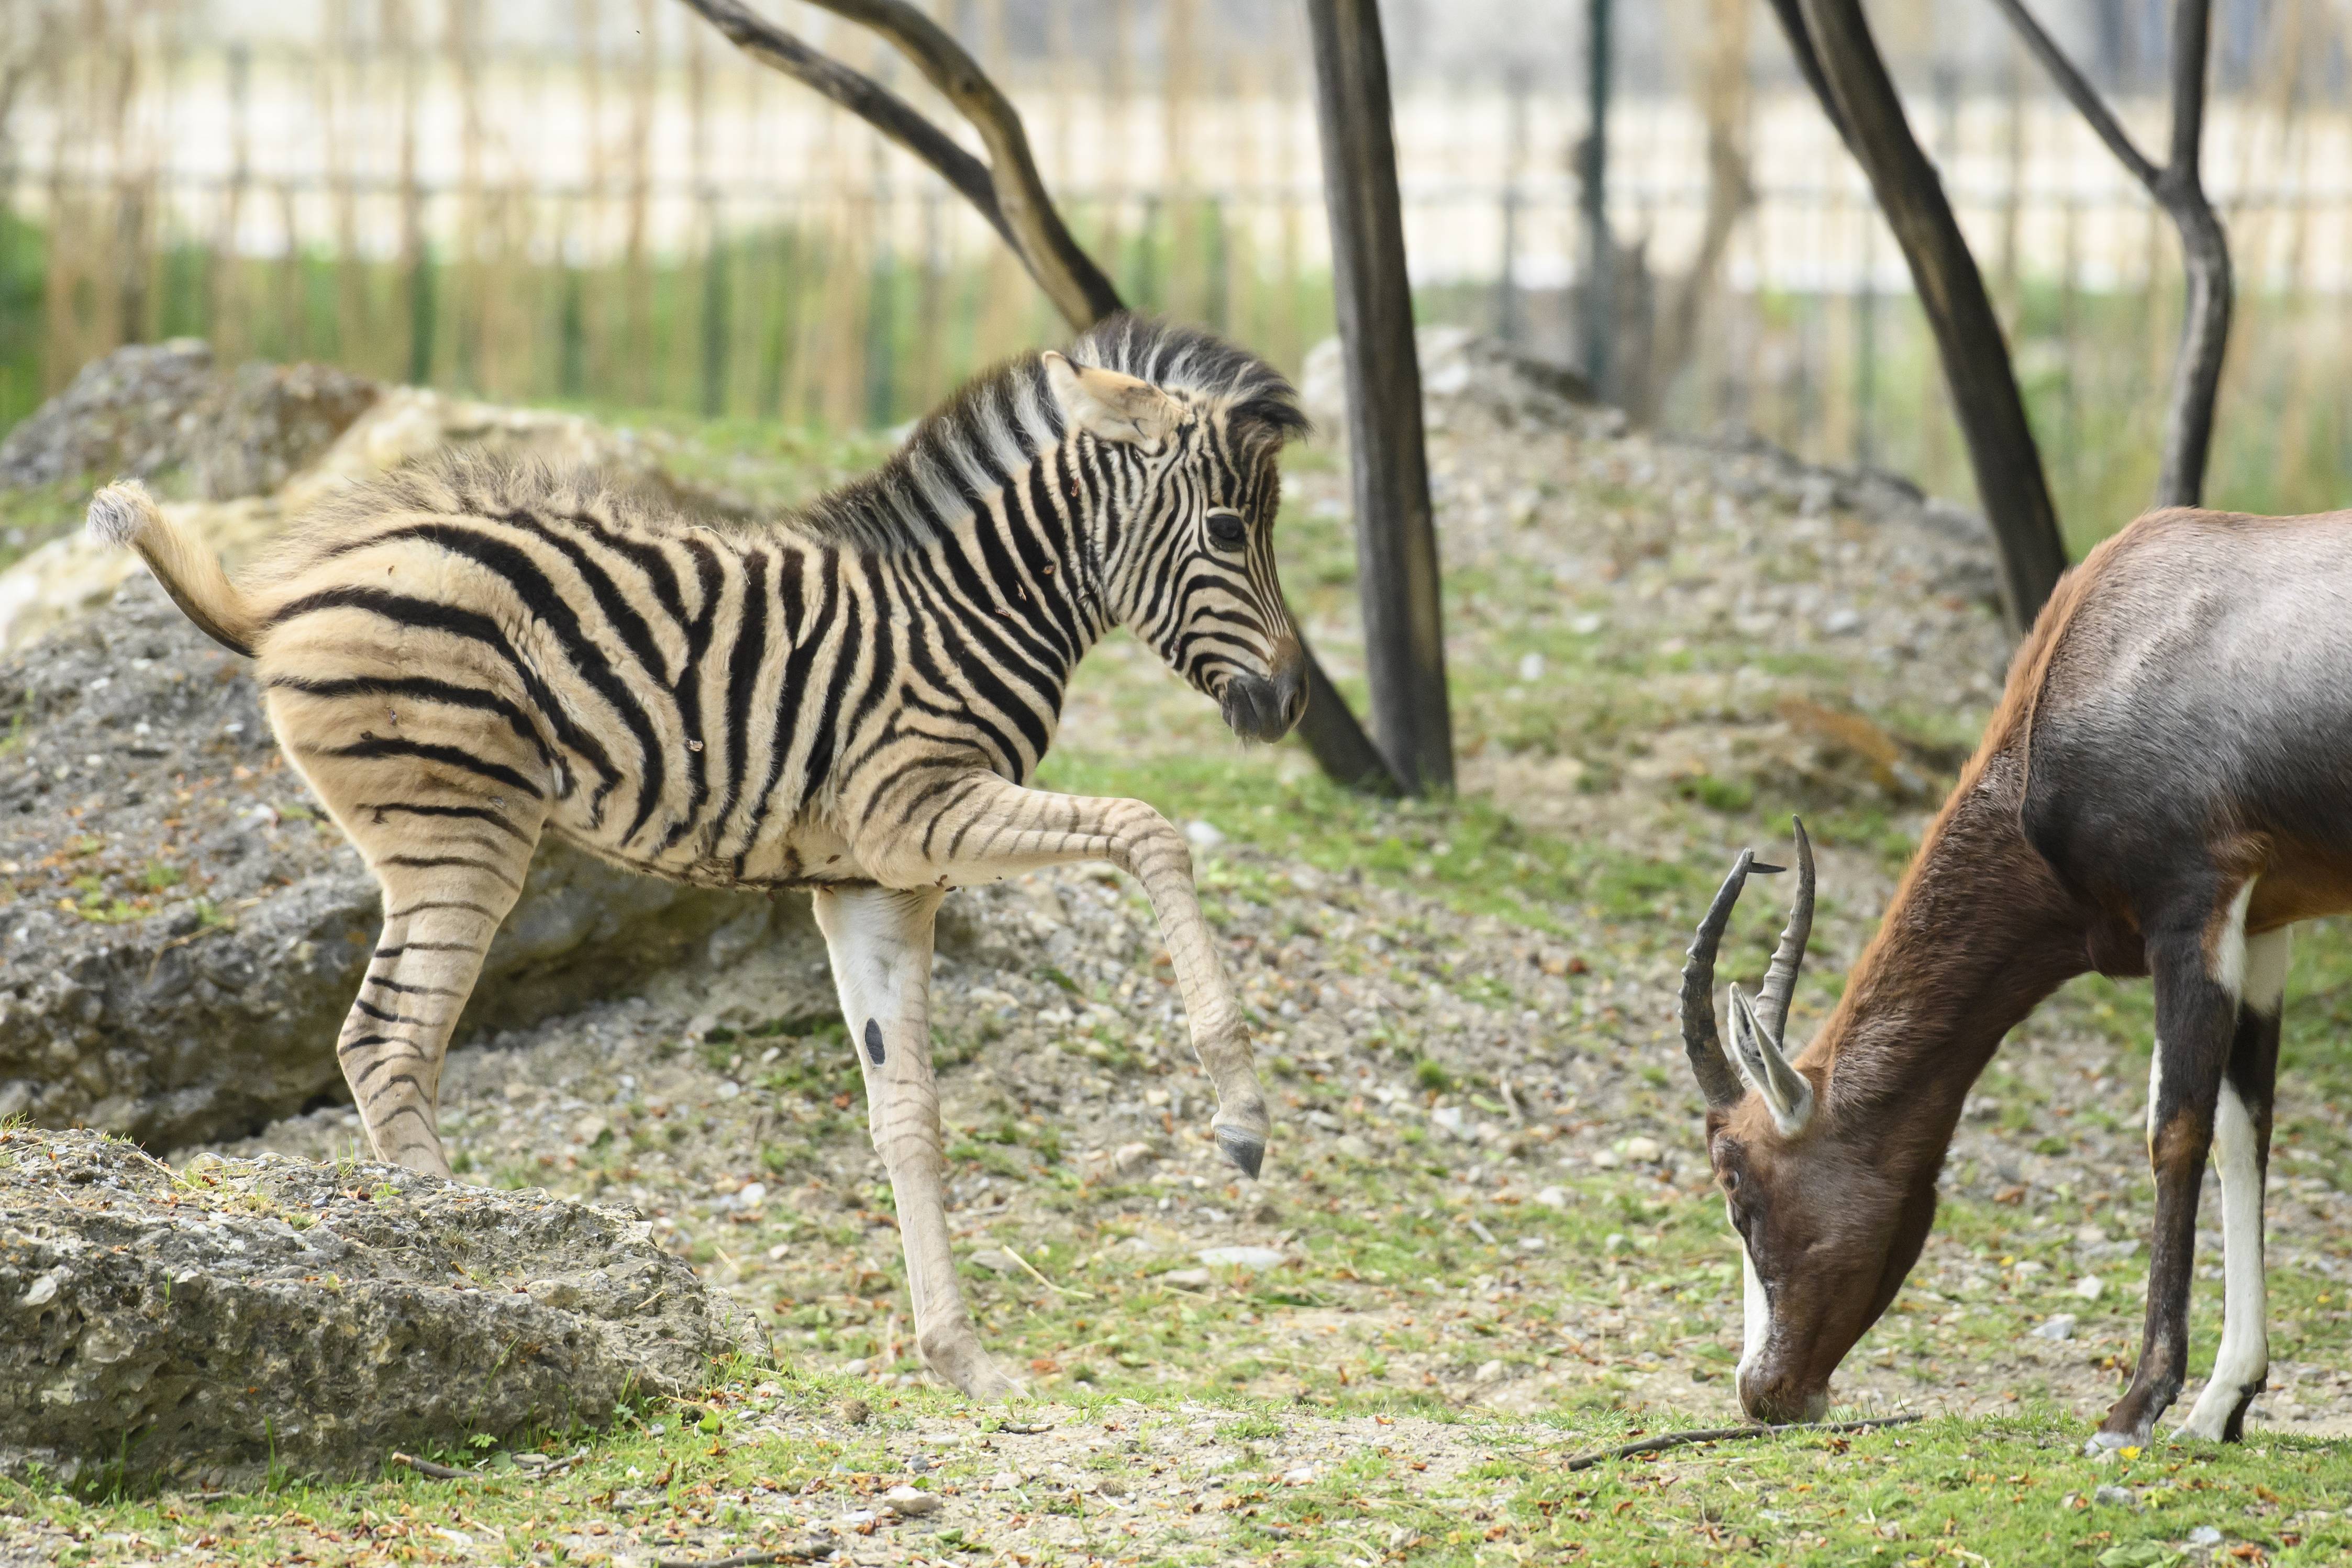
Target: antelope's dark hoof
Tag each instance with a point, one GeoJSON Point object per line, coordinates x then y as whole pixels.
{"type": "Point", "coordinates": [1245, 1150]}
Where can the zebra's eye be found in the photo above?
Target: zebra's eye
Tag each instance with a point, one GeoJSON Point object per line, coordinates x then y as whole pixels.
{"type": "Point", "coordinates": [1226, 529]}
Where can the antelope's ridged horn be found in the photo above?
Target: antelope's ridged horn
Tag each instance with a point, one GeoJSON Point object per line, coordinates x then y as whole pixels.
{"type": "Point", "coordinates": [1780, 976]}
{"type": "Point", "coordinates": [1716, 1079]}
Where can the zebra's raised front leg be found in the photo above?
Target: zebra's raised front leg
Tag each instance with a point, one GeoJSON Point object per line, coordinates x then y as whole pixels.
{"type": "Point", "coordinates": [880, 942]}
{"type": "Point", "coordinates": [981, 828]}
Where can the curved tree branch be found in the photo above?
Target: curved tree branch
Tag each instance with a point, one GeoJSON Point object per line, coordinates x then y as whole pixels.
{"type": "Point", "coordinates": [1809, 65]}
{"type": "Point", "coordinates": [868, 100]}
{"type": "Point", "coordinates": [2178, 188]}
{"type": "Point", "coordinates": [1069, 277]}
{"type": "Point", "coordinates": [1833, 42]}
{"type": "Point", "coordinates": [2079, 92]}
{"type": "Point", "coordinates": [1010, 193]}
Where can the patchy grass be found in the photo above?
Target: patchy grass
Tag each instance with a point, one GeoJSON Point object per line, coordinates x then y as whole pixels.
{"type": "Point", "coordinates": [1456, 1312]}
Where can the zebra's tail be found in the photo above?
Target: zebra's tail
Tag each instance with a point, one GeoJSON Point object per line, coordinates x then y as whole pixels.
{"type": "Point", "coordinates": [124, 513]}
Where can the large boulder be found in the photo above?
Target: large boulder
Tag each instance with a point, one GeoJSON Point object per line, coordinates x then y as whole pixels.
{"type": "Point", "coordinates": [151, 410]}
{"type": "Point", "coordinates": [181, 933]}
{"type": "Point", "coordinates": [200, 1327]}
{"type": "Point", "coordinates": [264, 445]}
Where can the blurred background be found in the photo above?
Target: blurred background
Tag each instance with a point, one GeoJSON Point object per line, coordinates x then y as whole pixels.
{"type": "Point", "coordinates": [601, 202]}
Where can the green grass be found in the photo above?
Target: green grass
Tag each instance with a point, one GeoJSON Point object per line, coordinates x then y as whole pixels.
{"type": "Point", "coordinates": [1401, 1266]}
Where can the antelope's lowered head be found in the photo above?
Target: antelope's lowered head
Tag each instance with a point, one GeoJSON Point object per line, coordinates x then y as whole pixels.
{"type": "Point", "coordinates": [1828, 1176]}
{"type": "Point", "coordinates": [1824, 1236]}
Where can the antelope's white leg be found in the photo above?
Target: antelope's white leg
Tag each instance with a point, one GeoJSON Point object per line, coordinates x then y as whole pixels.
{"type": "Point", "coordinates": [880, 944]}
{"type": "Point", "coordinates": [2241, 1149]}
{"type": "Point", "coordinates": [992, 829]}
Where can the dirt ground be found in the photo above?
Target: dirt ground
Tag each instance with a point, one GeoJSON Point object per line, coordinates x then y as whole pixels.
{"type": "Point", "coordinates": [1514, 1088]}
{"type": "Point", "coordinates": [1485, 1232]}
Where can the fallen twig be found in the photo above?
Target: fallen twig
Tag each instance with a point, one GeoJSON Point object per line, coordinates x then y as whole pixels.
{"type": "Point", "coordinates": [743, 1558]}
{"type": "Point", "coordinates": [1724, 1434]}
{"type": "Point", "coordinates": [1032, 1272]}
{"type": "Point", "coordinates": [427, 1468]}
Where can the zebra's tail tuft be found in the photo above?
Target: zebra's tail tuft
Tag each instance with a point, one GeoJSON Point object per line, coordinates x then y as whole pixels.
{"type": "Point", "coordinates": [124, 515]}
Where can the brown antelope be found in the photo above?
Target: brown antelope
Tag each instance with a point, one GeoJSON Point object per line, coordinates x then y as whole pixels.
{"type": "Point", "coordinates": [2164, 790]}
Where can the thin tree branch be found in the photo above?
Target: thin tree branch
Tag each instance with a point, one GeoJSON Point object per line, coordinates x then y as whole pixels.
{"type": "Point", "coordinates": [1809, 65]}
{"type": "Point", "coordinates": [2178, 188]}
{"type": "Point", "coordinates": [1833, 42]}
{"type": "Point", "coordinates": [1069, 277]}
{"type": "Point", "coordinates": [1010, 194]}
{"type": "Point", "coordinates": [2192, 31]}
{"type": "Point", "coordinates": [2081, 93]}
{"type": "Point", "coordinates": [1665, 1440]}
{"type": "Point", "coordinates": [868, 100]}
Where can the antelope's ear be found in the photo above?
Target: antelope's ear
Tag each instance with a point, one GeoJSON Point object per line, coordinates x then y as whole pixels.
{"type": "Point", "coordinates": [1109, 406]}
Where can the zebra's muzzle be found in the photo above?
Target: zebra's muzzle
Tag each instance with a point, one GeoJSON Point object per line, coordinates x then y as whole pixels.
{"type": "Point", "coordinates": [1260, 708]}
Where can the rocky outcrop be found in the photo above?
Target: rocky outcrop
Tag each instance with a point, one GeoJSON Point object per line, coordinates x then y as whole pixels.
{"type": "Point", "coordinates": [151, 409]}
{"type": "Point", "coordinates": [263, 446]}
{"type": "Point", "coordinates": [205, 1326]}
{"type": "Point", "coordinates": [182, 933]}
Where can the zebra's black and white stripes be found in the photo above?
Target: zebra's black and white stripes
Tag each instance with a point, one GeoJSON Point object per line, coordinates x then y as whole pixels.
{"type": "Point", "coordinates": [464, 657]}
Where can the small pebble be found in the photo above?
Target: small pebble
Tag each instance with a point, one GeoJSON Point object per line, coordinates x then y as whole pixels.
{"type": "Point", "coordinates": [2061, 1326]}
{"type": "Point", "coordinates": [910, 1502]}
{"type": "Point", "coordinates": [2114, 1496]}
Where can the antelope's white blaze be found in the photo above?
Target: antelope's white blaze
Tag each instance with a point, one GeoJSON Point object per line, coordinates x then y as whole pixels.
{"type": "Point", "coordinates": [2155, 1087]}
{"type": "Point", "coordinates": [2245, 1353]}
{"type": "Point", "coordinates": [1756, 1326]}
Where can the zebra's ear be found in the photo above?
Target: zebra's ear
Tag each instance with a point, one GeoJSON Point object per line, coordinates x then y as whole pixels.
{"type": "Point", "coordinates": [1109, 406]}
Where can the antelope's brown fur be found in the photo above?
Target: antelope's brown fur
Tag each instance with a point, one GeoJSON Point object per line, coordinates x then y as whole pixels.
{"type": "Point", "coordinates": [2131, 809]}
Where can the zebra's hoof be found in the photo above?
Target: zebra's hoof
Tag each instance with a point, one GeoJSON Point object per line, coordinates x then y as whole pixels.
{"type": "Point", "coordinates": [1245, 1150]}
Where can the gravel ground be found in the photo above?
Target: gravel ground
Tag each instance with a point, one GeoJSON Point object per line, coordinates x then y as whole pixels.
{"type": "Point", "coordinates": [1485, 1202]}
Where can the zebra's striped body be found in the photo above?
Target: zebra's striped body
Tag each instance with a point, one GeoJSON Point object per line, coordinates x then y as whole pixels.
{"type": "Point", "coordinates": [461, 659]}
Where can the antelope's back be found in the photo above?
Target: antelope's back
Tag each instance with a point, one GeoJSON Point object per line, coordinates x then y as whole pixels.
{"type": "Point", "coordinates": [2201, 694]}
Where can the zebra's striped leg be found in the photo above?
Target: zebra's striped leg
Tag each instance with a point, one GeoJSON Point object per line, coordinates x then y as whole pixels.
{"type": "Point", "coordinates": [442, 903]}
{"type": "Point", "coordinates": [880, 942]}
{"type": "Point", "coordinates": [988, 828]}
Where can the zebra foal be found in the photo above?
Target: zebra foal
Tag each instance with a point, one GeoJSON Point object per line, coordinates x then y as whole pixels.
{"type": "Point", "coordinates": [460, 659]}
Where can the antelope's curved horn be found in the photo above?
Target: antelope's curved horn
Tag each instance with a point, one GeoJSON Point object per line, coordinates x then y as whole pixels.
{"type": "Point", "coordinates": [1717, 1080]}
{"type": "Point", "coordinates": [1780, 977]}
{"type": "Point", "coordinates": [1786, 1091]}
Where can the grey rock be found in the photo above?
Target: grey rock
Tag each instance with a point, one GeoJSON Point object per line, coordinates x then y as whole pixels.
{"type": "Point", "coordinates": [1458, 365]}
{"type": "Point", "coordinates": [2114, 1496]}
{"type": "Point", "coordinates": [263, 424]}
{"type": "Point", "coordinates": [181, 934]}
{"type": "Point", "coordinates": [195, 1328]}
{"type": "Point", "coordinates": [2059, 1325]}
{"type": "Point", "coordinates": [152, 409]}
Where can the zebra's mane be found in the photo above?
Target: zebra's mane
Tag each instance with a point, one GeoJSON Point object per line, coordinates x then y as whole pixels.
{"type": "Point", "coordinates": [997, 424]}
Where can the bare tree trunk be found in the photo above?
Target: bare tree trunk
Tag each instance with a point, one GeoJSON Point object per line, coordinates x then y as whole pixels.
{"type": "Point", "coordinates": [1396, 540]}
{"type": "Point", "coordinates": [1840, 61]}
{"type": "Point", "coordinates": [1730, 192]}
{"type": "Point", "coordinates": [2179, 189]}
